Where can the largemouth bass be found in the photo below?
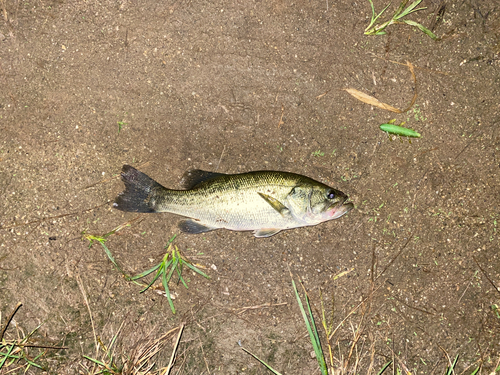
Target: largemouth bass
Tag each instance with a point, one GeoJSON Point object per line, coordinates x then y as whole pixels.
{"type": "Point", "coordinates": [264, 202]}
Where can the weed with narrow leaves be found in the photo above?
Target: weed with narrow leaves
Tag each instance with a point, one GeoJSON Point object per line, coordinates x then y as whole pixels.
{"type": "Point", "coordinates": [174, 260]}
{"type": "Point", "coordinates": [15, 352]}
{"type": "Point", "coordinates": [401, 12]}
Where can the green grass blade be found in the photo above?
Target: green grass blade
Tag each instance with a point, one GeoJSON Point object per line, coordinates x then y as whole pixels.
{"type": "Point", "coordinates": [174, 265]}
{"type": "Point", "coordinates": [384, 368]}
{"type": "Point", "coordinates": [450, 370]}
{"type": "Point", "coordinates": [315, 330]}
{"type": "Point", "coordinates": [31, 363]}
{"type": "Point", "coordinates": [314, 338]}
{"type": "Point", "coordinates": [97, 362]}
{"type": "Point", "coordinates": [422, 28]}
{"type": "Point", "coordinates": [154, 279]}
{"type": "Point", "coordinates": [179, 273]}
{"type": "Point", "coordinates": [374, 18]}
{"type": "Point", "coordinates": [383, 10]}
{"type": "Point", "coordinates": [170, 241]}
{"type": "Point", "coordinates": [38, 356]}
{"type": "Point", "coordinates": [167, 291]}
{"type": "Point", "coordinates": [410, 9]}
{"type": "Point", "coordinates": [197, 270]}
{"type": "Point", "coordinates": [11, 356]}
{"type": "Point", "coordinates": [110, 256]}
{"type": "Point", "coordinates": [145, 273]}
{"type": "Point", "coordinates": [261, 361]}
{"type": "Point", "coordinates": [7, 355]}
{"type": "Point", "coordinates": [400, 8]}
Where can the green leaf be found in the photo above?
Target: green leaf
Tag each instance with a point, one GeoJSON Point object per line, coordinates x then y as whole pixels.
{"type": "Point", "coordinates": [154, 279]}
{"type": "Point", "coordinates": [410, 9]}
{"type": "Point", "coordinates": [261, 361]}
{"type": "Point", "coordinates": [145, 273]}
{"type": "Point", "coordinates": [167, 291]}
{"type": "Point", "coordinates": [197, 270]}
{"type": "Point", "coordinates": [7, 355]}
{"type": "Point", "coordinates": [95, 361]}
{"type": "Point", "coordinates": [170, 241]}
{"type": "Point", "coordinates": [451, 370]}
{"type": "Point", "coordinates": [175, 262]}
{"type": "Point", "coordinates": [384, 368]}
{"type": "Point", "coordinates": [422, 28]}
{"type": "Point", "coordinates": [374, 18]}
{"type": "Point", "coordinates": [179, 273]}
{"type": "Point", "coordinates": [313, 336]}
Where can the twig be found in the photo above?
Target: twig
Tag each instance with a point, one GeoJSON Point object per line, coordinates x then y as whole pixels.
{"type": "Point", "coordinates": [204, 358]}
{"type": "Point", "coordinates": [397, 255]}
{"type": "Point", "coordinates": [9, 319]}
{"type": "Point", "coordinates": [321, 95]}
{"type": "Point", "coordinates": [468, 284]}
{"type": "Point", "coordinates": [243, 309]}
{"type": "Point", "coordinates": [281, 118]}
{"type": "Point", "coordinates": [353, 311]}
{"type": "Point", "coordinates": [53, 217]}
{"type": "Point", "coordinates": [41, 346]}
{"type": "Point", "coordinates": [5, 16]}
{"type": "Point", "coordinates": [447, 356]}
{"type": "Point", "coordinates": [82, 289]}
{"type": "Point", "coordinates": [169, 367]}
{"type": "Point", "coordinates": [413, 100]}
{"type": "Point", "coordinates": [487, 277]}
{"type": "Point", "coordinates": [222, 153]}
{"type": "Point", "coordinates": [412, 307]}
{"type": "Point", "coordinates": [416, 67]}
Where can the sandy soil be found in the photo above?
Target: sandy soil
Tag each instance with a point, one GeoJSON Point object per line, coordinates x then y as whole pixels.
{"type": "Point", "coordinates": [87, 86]}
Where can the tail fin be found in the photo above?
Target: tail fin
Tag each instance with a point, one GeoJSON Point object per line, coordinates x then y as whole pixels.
{"type": "Point", "coordinates": [141, 192]}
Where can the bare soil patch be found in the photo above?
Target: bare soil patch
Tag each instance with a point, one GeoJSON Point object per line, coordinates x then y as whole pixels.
{"type": "Point", "coordinates": [88, 86]}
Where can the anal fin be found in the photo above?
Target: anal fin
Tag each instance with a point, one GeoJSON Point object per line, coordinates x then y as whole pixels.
{"type": "Point", "coordinates": [266, 232]}
{"type": "Point", "coordinates": [193, 227]}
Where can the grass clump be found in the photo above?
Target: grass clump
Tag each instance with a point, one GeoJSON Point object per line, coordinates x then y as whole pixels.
{"type": "Point", "coordinates": [15, 354]}
{"type": "Point", "coordinates": [173, 260]}
{"type": "Point", "coordinates": [344, 366]}
{"type": "Point", "coordinates": [397, 17]}
{"type": "Point", "coordinates": [306, 311]}
{"type": "Point", "coordinates": [141, 361]}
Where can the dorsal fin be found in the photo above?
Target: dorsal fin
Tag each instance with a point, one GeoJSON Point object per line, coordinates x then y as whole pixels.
{"type": "Point", "coordinates": [194, 177]}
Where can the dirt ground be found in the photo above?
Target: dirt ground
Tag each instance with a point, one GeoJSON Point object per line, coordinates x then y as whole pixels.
{"type": "Point", "coordinates": [87, 86]}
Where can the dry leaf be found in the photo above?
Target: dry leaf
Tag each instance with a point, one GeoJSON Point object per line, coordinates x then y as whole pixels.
{"type": "Point", "coordinates": [365, 98]}
{"type": "Point", "coordinates": [368, 99]}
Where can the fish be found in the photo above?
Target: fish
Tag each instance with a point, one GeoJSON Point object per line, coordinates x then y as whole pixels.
{"type": "Point", "coordinates": [265, 202]}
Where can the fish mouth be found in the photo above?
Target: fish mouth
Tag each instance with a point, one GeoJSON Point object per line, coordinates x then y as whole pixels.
{"type": "Point", "coordinates": [341, 208]}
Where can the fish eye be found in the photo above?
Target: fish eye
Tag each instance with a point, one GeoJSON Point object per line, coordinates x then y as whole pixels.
{"type": "Point", "coordinates": [330, 195]}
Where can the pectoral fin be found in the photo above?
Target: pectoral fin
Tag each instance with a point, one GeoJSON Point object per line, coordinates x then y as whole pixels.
{"type": "Point", "coordinates": [267, 232]}
{"type": "Point", "coordinates": [194, 227]}
{"type": "Point", "coordinates": [276, 204]}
